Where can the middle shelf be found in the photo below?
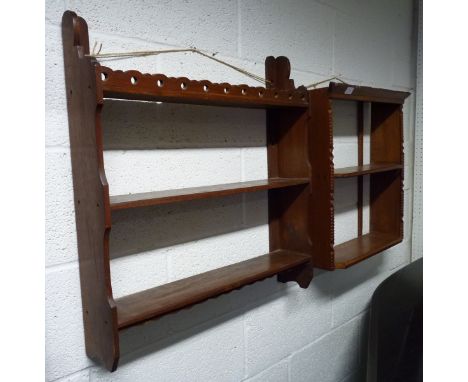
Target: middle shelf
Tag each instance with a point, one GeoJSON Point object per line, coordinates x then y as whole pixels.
{"type": "Point", "coordinates": [152, 303]}
{"type": "Point", "coordinates": [345, 172]}
{"type": "Point", "coordinates": [119, 202]}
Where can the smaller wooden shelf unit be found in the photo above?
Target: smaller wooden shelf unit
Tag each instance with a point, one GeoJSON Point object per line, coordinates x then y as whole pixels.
{"type": "Point", "coordinates": [385, 171]}
{"type": "Point", "coordinates": [88, 84]}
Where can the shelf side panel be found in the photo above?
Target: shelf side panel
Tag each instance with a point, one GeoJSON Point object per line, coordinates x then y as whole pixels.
{"type": "Point", "coordinates": [321, 211]}
{"type": "Point", "coordinates": [91, 194]}
{"type": "Point", "coordinates": [287, 157]}
{"type": "Point", "coordinates": [386, 134]}
{"type": "Point", "coordinates": [386, 189]}
{"type": "Point", "coordinates": [385, 202]}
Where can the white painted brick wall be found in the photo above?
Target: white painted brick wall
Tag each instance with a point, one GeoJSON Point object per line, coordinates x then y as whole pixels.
{"type": "Point", "coordinates": [265, 332]}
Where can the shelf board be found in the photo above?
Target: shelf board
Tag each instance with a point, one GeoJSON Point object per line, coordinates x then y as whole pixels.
{"type": "Point", "coordinates": [363, 247]}
{"type": "Point", "coordinates": [346, 172]}
{"type": "Point", "coordinates": [145, 199]}
{"type": "Point", "coordinates": [365, 93]}
{"type": "Point", "coordinates": [133, 85]}
{"type": "Point", "coordinates": [152, 303]}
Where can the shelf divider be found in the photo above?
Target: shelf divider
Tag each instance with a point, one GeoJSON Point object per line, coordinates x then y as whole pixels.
{"type": "Point", "coordinates": [363, 247]}
{"type": "Point", "coordinates": [346, 172]}
{"type": "Point", "coordinates": [155, 302]}
{"type": "Point", "coordinates": [145, 199]}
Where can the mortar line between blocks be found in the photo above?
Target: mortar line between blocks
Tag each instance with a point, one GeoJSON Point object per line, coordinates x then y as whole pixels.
{"type": "Point", "coordinates": [221, 317]}
{"type": "Point", "coordinates": [244, 196]}
{"type": "Point", "coordinates": [245, 345]}
{"type": "Point", "coordinates": [239, 28]}
{"type": "Point", "coordinates": [289, 356]}
{"type": "Point", "coordinates": [61, 266]}
{"type": "Point", "coordinates": [246, 378]}
{"type": "Point", "coordinates": [50, 24]}
{"type": "Point", "coordinates": [334, 42]}
{"type": "Point", "coordinates": [88, 368]}
{"type": "Point", "coordinates": [356, 317]}
{"type": "Point", "coordinates": [57, 148]}
{"type": "Point", "coordinates": [349, 375]}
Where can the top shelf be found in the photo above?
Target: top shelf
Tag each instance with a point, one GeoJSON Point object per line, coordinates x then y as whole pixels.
{"type": "Point", "coordinates": [365, 93]}
{"type": "Point", "coordinates": [133, 85]}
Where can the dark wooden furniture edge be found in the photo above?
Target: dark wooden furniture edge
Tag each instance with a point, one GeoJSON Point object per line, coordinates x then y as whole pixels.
{"type": "Point", "coordinates": [91, 193]}
{"type": "Point", "coordinates": [287, 153]}
{"type": "Point", "coordinates": [322, 224]}
{"type": "Point", "coordinates": [178, 195]}
{"type": "Point", "coordinates": [133, 85]}
{"type": "Point", "coordinates": [365, 93]}
{"type": "Point", "coordinates": [372, 168]}
{"type": "Point", "coordinates": [363, 247]}
{"type": "Point", "coordinates": [155, 302]}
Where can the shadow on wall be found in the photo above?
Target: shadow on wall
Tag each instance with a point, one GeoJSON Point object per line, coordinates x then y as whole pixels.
{"type": "Point", "coordinates": [129, 125]}
{"type": "Point", "coordinates": [154, 336]}
{"type": "Point", "coordinates": [145, 229]}
{"type": "Point", "coordinates": [141, 125]}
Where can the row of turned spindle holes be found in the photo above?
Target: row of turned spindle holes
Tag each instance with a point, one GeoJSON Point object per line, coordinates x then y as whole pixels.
{"type": "Point", "coordinates": [183, 86]}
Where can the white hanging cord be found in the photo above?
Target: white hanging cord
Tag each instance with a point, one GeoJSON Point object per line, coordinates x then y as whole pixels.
{"type": "Point", "coordinates": [314, 85]}
{"type": "Point", "coordinates": [99, 55]}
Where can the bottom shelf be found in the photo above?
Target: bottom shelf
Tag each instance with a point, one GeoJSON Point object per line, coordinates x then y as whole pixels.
{"type": "Point", "coordinates": [142, 306]}
{"type": "Point", "coordinates": [362, 247]}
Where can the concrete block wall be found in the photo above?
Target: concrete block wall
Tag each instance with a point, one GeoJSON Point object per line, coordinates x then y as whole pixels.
{"type": "Point", "coordinates": [264, 332]}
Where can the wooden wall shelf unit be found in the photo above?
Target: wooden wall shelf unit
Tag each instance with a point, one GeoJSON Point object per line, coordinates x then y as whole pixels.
{"type": "Point", "coordinates": [288, 184]}
{"type": "Point", "coordinates": [385, 171]}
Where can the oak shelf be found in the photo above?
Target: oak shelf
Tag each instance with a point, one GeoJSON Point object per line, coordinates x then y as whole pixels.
{"type": "Point", "coordinates": [346, 172]}
{"type": "Point", "coordinates": [145, 199]}
{"type": "Point", "coordinates": [385, 172]}
{"type": "Point", "coordinates": [360, 248]}
{"type": "Point", "coordinates": [155, 302]}
{"type": "Point", "coordinates": [88, 85]}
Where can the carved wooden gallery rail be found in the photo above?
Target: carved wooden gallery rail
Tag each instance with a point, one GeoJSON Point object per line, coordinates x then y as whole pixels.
{"type": "Point", "coordinates": [299, 184]}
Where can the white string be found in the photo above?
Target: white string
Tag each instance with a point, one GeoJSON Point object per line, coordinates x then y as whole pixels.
{"type": "Point", "coordinates": [314, 85]}
{"type": "Point", "coordinates": [144, 53]}
{"type": "Point", "coordinates": [99, 55]}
